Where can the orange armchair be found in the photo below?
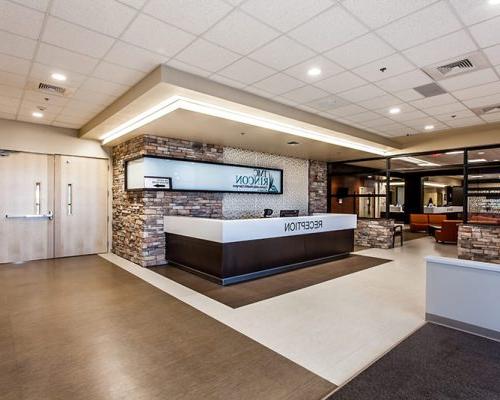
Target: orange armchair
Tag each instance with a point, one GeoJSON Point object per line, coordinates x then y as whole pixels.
{"type": "Point", "coordinates": [419, 222]}
{"type": "Point", "coordinates": [448, 232]}
{"type": "Point", "coordinates": [436, 219]}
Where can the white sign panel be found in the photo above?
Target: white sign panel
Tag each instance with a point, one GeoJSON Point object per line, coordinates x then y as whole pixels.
{"type": "Point", "coordinates": [200, 176]}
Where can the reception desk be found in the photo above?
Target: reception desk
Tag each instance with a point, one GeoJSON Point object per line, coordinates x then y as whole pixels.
{"type": "Point", "coordinates": [231, 251]}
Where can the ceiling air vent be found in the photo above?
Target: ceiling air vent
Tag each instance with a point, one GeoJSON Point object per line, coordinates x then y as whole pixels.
{"type": "Point", "coordinates": [457, 66]}
{"type": "Point", "coordinates": [46, 87]}
{"type": "Point", "coordinates": [429, 90]}
{"type": "Point", "coordinates": [495, 108]}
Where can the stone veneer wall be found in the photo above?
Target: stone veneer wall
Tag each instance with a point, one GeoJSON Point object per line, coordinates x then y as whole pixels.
{"type": "Point", "coordinates": [318, 182]}
{"type": "Point", "coordinates": [479, 243]}
{"type": "Point", "coordinates": [374, 233]}
{"type": "Point", "coordinates": [138, 216]}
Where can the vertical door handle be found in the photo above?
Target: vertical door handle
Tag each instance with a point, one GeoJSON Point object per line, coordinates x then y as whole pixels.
{"type": "Point", "coordinates": [70, 199]}
{"type": "Point", "coordinates": [37, 199]}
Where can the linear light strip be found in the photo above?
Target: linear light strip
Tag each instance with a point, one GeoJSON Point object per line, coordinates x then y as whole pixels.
{"type": "Point", "coordinates": [177, 102]}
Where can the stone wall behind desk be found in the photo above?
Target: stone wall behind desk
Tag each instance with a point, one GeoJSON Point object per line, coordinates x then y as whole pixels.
{"type": "Point", "coordinates": [479, 243]}
{"type": "Point", "coordinates": [374, 233]}
{"type": "Point", "coordinates": [318, 183]}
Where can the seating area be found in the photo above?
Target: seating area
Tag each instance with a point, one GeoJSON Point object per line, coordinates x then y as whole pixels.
{"type": "Point", "coordinates": [448, 232]}
{"type": "Point", "coordinates": [422, 222]}
{"type": "Point", "coordinates": [484, 219]}
{"type": "Point", "coordinates": [444, 230]}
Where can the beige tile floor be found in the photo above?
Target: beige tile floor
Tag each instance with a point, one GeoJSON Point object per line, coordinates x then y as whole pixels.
{"type": "Point", "coordinates": [335, 328]}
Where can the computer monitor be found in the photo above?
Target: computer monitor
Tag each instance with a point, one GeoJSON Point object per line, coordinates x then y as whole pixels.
{"type": "Point", "coordinates": [289, 213]}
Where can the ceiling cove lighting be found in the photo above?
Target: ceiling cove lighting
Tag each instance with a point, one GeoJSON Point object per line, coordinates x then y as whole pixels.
{"type": "Point", "coordinates": [454, 152]}
{"type": "Point", "coordinates": [418, 161]}
{"type": "Point", "coordinates": [314, 71]}
{"type": "Point", "coordinates": [58, 77]}
{"type": "Point", "coordinates": [395, 110]}
{"type": "Point", "coordinates": [178, 102]}
{"type": "Point", "coordinates": [37, 114]}
{"type": "Point", "coordinates": [476, 176]}
{"type": "Point", "coordinates": [434, 184]}
{"type": "Point", "coordinates": [477, 160]}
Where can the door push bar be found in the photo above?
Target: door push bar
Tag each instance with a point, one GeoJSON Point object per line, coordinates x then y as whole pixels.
{"type": "Point", "coordinates": [49, 216]}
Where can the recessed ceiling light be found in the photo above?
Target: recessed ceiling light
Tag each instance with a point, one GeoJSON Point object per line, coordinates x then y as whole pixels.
{"type": "Point", "coordinates": [429, 127]}
{"type": "Point", "coordinates": [480, 153]}
{"type": "Point", "coordinates": [494, 2]}
{"type": "Point", "coordinates": [292, 143]}
{"type": "Point", "coordinates": [37, 114]}
{"type": "Point", "coordinates": [314, 71]}
{"type": "Point", "coordinates": [58, 77]}
{"type": "Point", "coordinates": [476, 176]}
{"type": "Point", "coordinates": [395, 110]}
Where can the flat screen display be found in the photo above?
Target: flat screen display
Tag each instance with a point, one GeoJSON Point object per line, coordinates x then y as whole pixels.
{"type": "Point", "coordinates": [153, 173]}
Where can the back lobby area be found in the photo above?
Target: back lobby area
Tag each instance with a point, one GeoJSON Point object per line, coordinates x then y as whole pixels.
{"type": "Point", "coordinates": [245, 199]}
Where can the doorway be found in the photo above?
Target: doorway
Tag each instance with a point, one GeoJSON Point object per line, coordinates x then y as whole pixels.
{"type": "Point", "coordinates": [52, 206]}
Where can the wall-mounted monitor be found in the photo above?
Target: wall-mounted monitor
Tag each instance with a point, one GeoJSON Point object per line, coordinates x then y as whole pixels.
{"type": "Point", "coordinates": [161, 173]}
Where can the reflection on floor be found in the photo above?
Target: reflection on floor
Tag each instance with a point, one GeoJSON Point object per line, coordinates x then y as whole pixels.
{"type": "Point", "coordinates": [246, 293]}
{"type": "Point", "coordinates": [433, 363]}
{"type": "Point", "coordinates": [335, 328]}
{"type": "Point", "coordinates": [81, 328]}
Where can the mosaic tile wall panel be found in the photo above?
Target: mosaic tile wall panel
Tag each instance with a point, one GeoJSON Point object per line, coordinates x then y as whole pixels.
{"type": "Point", "coordinates": [295, 185]}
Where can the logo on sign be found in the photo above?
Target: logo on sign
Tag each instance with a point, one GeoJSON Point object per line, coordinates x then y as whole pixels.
{"type": "Point", "coordinates": [261, 179]}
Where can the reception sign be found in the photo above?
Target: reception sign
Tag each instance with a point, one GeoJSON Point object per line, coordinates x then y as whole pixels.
{"type": "Point", "coordinates": [155, 173]}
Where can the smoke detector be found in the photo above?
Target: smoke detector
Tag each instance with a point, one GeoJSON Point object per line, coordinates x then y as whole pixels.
{"type": "Point", "coordinates": [457, 66]}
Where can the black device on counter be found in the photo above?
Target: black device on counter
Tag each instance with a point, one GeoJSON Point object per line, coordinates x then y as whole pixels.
{"type": "Point", "coordinates": [289, 213]}
{"type": "Point", "coordinates": [267, 212]}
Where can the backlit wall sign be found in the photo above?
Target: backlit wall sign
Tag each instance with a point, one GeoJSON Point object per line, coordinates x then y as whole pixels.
{"type": "Point", "coordinates": [157, 173]}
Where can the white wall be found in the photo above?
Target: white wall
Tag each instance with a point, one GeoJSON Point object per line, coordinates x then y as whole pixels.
{"type": "Point", "coordinates": [36, 138]}
{"type": "Point", "coordinates": [295, 185]}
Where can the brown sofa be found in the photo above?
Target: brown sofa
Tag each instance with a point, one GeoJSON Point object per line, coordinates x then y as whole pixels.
{"type": "Point", "coordinates": [436, 219]}
{"type": "Point", "coordinates": [448, 232]}
{"type": "Point", "coordinates": [419, 222]}
{"type": "Point", "coordinates": [484, 219]}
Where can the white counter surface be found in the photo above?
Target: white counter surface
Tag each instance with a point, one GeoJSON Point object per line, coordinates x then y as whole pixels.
{"type": "Point", "coordinates": [226, 231]}
{"type": "Point", "coordinates": [443, 210]}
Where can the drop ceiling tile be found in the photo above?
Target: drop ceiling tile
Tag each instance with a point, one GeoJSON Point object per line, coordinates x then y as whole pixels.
{"type": "Point", "coordinates": [18, 46]}
{"type": "Point", "coordinates": [285, 101]}
{"type": "Point", "coordinates": [137, 4]}
{"type": "Point", "coordinates": [227, 81]}
{"type": "Point", "coordinates": [478, 91]}
{"type": "Point", "coordinates": [486, 33]}
{"type": "Point", "coordinates": [46, 120]}
{"type": "Point", "coordinates": [240, 33]}
{"type": "Point", "coordinates": [328, 103]}
{"type": "Point", "coordinates": [341, 82]}
{"type": "Point", "coordinates": [106, 87]}
{"type": "Point", "coordinates": [75, 38]}
{"type": "Point", "coordinates": [282, 53]}
{"type": "Point", "coordinates": [40, 98]}
{"type": "Point", "coordinates": [433, 101]}
{"type": "Point", "coordinates": [444, 48]}
{"type": "Point", "coordinates": [474, 11]}
{"type": "Point", "coordinates": [41, 72]}
{"type": "Point", "coordinates": [78, 108]}
{"type": "Point", "coordinates": [246, 71]}
{"type": "Point", "coordinates": [207, 56]}
{"type": "Point", "coordinates": [130, 56]}
{"type": "Point", "coordinates": [362, 93]}
{"type": "Point", "coordinates": [20, 20]}
{"type": "Point", "coordinates": [188, 68]}
{"type": "Point", "coordinates": [461, 122]}
{"type": "Point", "coordinates": [493, 54]}
{"type": "Point", "coordinates": [385, 101]}
{"type": "Point", "coordinates": [259, 92]}
{"type": "Point", "coordinates": [407, 80]}
{"type": "Point", "coordinates": [40, 5]}
{"type": "Point", "coordinates": [11, 92]}
{"type": "Point", "coordinates": [305, 94]}
{"type": "Point", "coordinates": [360, 51]}
{"type": "Point", "coordinates": [327, 67]}
{"type": "Point", "coordinates": [495, 117]}
{"type": "Point", "coordinates": [345, 111]}
{"type": "Point", "coordinates": [407, 116]}
{"type": "Point", "coordinates": [99, 100]}
{"type": "Point", "coordinates": [7, 102]}
{"type": "Point", "coordinates": [156, 36]}
{"type": "Point", "coordinates": [7, 115]}
{"type": "Point", "coordinates": [483, 101]}
{"type": "Point", "coordinates": [14, 64]}
{"type": "Point", "coordinates": [419, 123]}
{"type": "Point", "coordinates": [190, 15]}
{"type": "Point", "coordinates": [424, 25]}
{"type": "Point", "coordinates": [50, 109]}
{"type": "Point", "coordinates": [61, 124]}
{"type": "Point", "coordinates": [455, 115]}
{"type": "Point", "coordinates": [117, 74]}
{"type": "Point", "coordinates": [285, 14]}
{"type": "Point", "coordinates": [468, 80]}
{"type": "Point", "coordinates": [376, 13]}
{"type": "Point", "coordinates": [329, 29]}
{"type": "Point", "coordinates": [279, 84]}
{"type": "Point", "coordinates": [381, 121]}
{"type": "Point", "coordinates": [364, 117]}
{"type": "Point", "coordinates": [395, 64]}
{"type": "Point", "coordinates": [451, 108]}
{"type": "Point", "coordinates": [408, 95]}
{"type": "Point", "coordinates": [65, 59]}
{"type": "Point", "coordinates": [105, 16]}
{"type": "Point", "coordinates": [9, 79]}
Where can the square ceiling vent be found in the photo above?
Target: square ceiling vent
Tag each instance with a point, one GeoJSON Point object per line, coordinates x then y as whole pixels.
{"type": "Point", "coordinates": [457, 66]}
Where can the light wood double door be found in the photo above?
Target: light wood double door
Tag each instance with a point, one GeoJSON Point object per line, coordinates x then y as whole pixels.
{"type": "Point", "coordinates": [52, 206]}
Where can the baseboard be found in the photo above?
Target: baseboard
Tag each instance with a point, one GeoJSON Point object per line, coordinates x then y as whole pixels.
{"type": "Point", "coordinates": [463, 326]}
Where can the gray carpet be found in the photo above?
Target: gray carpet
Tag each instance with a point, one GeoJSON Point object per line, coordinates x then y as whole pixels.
{"type": "Point", "coordinates": [434, 363]}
